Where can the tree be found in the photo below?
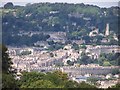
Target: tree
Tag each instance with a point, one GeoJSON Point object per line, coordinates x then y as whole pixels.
{"type": "Point", "coordinates": [28, 77]}
{"type": "Point", "coordinates": [106, 63]}
{"type": "Point", "coordinates": [51, 42]}
{"type": "Point", "coordinates": [57, 77]}
{"type": "Point", "coordinates": [6, 61]}
{"type": "Point", "coordinates": [115, 71]}
{"type": "Point", "coordinates": [8, 80]}
{"type": "Point", "coordinates": [84, 59]}
{"type": "Point", "coordinates": [51, 55]}
{"type": "Point", "coordinates": [101, 59]}
{"type": "Point", "coordinates": [63, 76]}
{"type": "Point", "coordinates": [71, 84]}
{"type": "Point", "coordinates": [75, 46]}
{"type": "Point", "coordinates": [39, 84]}
{"type": "Point", "coordinates": [118, 61]}
{"type": "Point", "coordinates": [38, 17]}
{"type": "Point", "coordinates": [70, 63]}
{"type": "Point", "coordinates": [9, 5]}
{"type": "Point", "coordinates": [117, 86]}
{"type": "Point", "coordinates": [40, 80]}
{"type": "Point", "coordinates": [85, 85]}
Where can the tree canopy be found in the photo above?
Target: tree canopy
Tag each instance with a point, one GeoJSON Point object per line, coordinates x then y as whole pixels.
{"type": "Point", "coordinates": [55, 79]}
{"type": "Point", "coordinates": [9, 5]}
{"type": "Point", "coordinates": [77, 20]}
{"type": "Point", "coordinates": [8, 79]}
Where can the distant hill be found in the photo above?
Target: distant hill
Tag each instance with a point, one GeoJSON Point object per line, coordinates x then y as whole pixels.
{"type": "Point", "coordinates": [55, 17]}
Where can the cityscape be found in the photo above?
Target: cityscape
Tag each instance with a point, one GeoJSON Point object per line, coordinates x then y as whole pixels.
{"type": "Point", "coordinates": [60, 45]}
{"type": "Point", "coordinates": [41, 60]}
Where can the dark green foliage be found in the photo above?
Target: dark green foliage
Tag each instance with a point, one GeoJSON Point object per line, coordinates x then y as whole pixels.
{"type": "Point", "coordinates": [75, 46]}
{"type": "Point", "coordinates": [30, 77]}
{"type": "Point", "coordinates": [40, 84]}
{"type": "Point", "coordinates": [71, 84]}
{"type": "Point", "coordinates": [51, 55]}
{"type": "Point", "coordinates": [8, 80]}
{"type": "Point", "coordinates": [70, 63]}
{"type": "Point", "coordinates": [40, 80]}
{"type": "Point", "coordinates": [112, 58]}
{"type": "Point", "coordinates": [25, 40]}
{"type": "Point", "coordinates": [9, 5]}
{"type": "Point", "coordinates": [85, 85]}
{"type": "Point", "coordinates": [74, 19]}
{"type": "Point", "coordinates": [55, 79]}
{"type": "Point", "coordinates": [55, 46]}
{"type": "Point", "coordinates": [117, 86]}
{"type": "Point", "coordinates": [6, 61]}
{"type": "Point", "coordinates": [85, 60]}
{"type": "Point", "coordinates": [104, 59]}
{"type": "Point", "coordinates": [115, 71]}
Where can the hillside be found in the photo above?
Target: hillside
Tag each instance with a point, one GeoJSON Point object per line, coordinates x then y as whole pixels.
{"type": "Point", "coordinates": [25, 25]}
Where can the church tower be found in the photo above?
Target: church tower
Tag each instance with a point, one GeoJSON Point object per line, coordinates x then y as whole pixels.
{"type": "Point", "coordinates": [107, 32]}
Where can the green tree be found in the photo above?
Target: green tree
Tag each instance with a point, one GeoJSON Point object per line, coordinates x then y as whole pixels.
{"type": "Point", "coordinates": [9, 5]}
{"type": "Point", "coordinates": [39, 84]}
{"type": "Point", "coordinates": [51, 55]}
{"type": "Point", "coordinates": [85, 85]}
{"type": "Point", "coordinates": [84, 59]}
{"type": "Point", "coordinates": [29, 77]}
{"type": "Point", "coordinates": [40, 80]}
{"type": "Point", "coordinates": [57, 77]}
{"type": "Point", "coordinates": [118, 61]}
{"type": "Point", "coordinates": [106, 63]}
{"type": "Point", "coordinates": [8, 80]}
{"type": "Point", "coordinates": [117, 86]}
{"type": "Point", "coordinates": [75, 46]}
{"type": "Point", "coordinates": [71, 84]}
{"type": "Point", "coordinates": [70, 63]}
{"type": "Point", "coordinates": [115, 71]}
{"type": "Point", "coordinates": [101, 59]}
{"type": "Point", "coordinates": [6, 61]}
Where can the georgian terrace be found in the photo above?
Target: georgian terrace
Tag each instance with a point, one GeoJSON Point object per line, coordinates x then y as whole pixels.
{"type": "Point", "coordinates": [82, 70]}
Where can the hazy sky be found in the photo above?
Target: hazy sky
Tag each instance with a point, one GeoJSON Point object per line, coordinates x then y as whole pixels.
{"type": "Point", "coordinates": [101, 3]}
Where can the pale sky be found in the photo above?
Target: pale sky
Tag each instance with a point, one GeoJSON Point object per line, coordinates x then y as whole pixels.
{"type": "Point", "coordinates": [101, 3]}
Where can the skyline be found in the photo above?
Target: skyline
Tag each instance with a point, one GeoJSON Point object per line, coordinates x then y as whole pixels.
{"type": "Point", "coordinates": [101, 3]}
